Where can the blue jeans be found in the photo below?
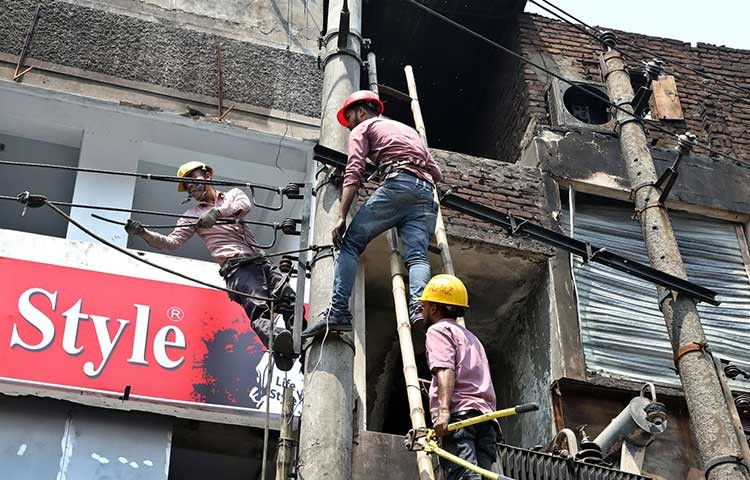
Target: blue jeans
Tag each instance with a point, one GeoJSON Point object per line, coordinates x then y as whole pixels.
{"type": "Point", "coordinates": [476, 444]}
{"type": "Point", "coordinates": [402, 201]}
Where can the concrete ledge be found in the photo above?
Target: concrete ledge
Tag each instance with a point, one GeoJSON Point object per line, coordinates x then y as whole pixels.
{"type": "Point", "coordinates": [163, 53]}
{"type": "Point", "coordinates": [380, 456]}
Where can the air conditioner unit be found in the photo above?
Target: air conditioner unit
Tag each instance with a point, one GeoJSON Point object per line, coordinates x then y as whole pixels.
{"type": "Point", "coordinates": [577, 107]}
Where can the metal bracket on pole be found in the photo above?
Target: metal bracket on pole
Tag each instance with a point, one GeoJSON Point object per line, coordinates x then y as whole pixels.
{"type": "Point", "coordinates": [304, 239]}
{"type": "Point", "coordinates": [685, 143]}
{"type": "Point", "coordinates": [514, 225]}
{"type": "Point", "coordinates": [652, 71]}
{"type": "Point", "coordinates": [323, 61]}
{"type": "Point", "coordinates": [591, 254]}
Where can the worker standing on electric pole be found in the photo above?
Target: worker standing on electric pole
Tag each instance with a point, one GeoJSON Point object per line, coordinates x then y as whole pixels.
{"type": "Point", "coordinates": [461, 386]}
{"type": "Point", "coordinates": [243, 264]}
{"type": "Point", "coordinates": [403, 200]}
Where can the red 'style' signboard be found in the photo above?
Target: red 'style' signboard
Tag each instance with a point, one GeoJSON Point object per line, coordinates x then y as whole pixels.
{"type": "Point", "coordinates": [83, 329]}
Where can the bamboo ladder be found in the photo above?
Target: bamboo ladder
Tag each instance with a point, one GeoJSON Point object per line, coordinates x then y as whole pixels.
{"type": "Point", "coordinates": [400, 292]}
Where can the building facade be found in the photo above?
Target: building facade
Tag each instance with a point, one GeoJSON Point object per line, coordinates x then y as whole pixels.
{"type": "Point", "coordinates": [114, 369]}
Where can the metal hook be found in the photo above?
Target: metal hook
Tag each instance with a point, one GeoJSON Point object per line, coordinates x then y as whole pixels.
{"type": "Point", "coordinates": [651, 387]}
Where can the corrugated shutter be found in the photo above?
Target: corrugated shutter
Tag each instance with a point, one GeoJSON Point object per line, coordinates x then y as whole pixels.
{"type": "Point", "coordinates": [622, 330]}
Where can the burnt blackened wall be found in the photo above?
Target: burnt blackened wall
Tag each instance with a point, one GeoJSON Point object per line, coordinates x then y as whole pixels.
{"type": "Point", "coordinates": [505, 111]}
{"type": "Point", "coordinates": [717, 119]}
{"type": "Point", "coordinates": [521, 370]}
{"type": "Point", "coordinates": [163, 53]}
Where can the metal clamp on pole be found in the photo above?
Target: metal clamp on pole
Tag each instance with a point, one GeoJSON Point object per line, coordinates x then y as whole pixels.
{"type": "Point", "coordinates": [631, 117]}
{"type": "Point", "coordinates": [685, 349]}
{"type": "Point", "coordinates": [726, 459]}
{"type": "Point", "coordinates": [685, 143]}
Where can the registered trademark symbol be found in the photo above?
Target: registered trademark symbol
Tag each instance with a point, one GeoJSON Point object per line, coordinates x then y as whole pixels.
{"type": "Point", "coordinates": [175, 314]}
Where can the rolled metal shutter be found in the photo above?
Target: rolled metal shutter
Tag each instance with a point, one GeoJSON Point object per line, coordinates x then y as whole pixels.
{"type": "Point", "coordinates": [622, 330]}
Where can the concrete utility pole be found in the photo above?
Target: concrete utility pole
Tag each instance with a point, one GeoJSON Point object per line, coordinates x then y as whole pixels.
{"type": "Point", "coordinates": [709, 414]}
{"type": "Point", "coordinates": [325, 450]}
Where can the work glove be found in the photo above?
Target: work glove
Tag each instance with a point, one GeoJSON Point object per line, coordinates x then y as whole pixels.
{"type": "Point", "coordinates": [208, 219]}
{"type": "Point", "coordinates": [133, 227]}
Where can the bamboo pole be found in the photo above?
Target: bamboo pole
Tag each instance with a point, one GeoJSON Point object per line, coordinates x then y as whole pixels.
{"type": "Point", "coordinates": [411, 377]}
{"type": "Point", "coordinates": [285, 450]}
{"type": "Point", "coordinates": [403, 325]}
{"type": "Point", "coordinates": [441, 237]}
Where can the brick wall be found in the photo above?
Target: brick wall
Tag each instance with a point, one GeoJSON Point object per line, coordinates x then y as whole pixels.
{"type": "Point", "coordinates": [718, 120]}
{"type": "Point", "coordinates": [506, 187]}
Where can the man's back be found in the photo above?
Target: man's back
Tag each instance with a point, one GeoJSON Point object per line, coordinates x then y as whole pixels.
{"type": "Point", "coordinates": [452, 346]}
{"type": "Point", "coordinates": [385, 140]}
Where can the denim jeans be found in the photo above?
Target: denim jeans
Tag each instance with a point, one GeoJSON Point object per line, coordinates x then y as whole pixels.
{"type": "Point", "coordinates": [402, 201]}
{"type": "Point", "coordinates": [476, 444]}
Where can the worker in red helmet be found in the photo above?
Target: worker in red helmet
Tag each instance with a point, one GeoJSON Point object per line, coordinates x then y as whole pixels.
{"type": "Point", "coordinates": [404, 200]}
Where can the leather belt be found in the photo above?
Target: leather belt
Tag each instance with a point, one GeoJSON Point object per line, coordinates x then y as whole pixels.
{"type": "Point", "coordinates": [231, 265]}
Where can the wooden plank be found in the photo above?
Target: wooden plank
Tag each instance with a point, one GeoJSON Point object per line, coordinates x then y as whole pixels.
{"type": "Point", "coordinates": [665, 102]}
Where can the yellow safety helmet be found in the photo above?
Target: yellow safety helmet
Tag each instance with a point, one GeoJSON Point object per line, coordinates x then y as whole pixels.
{"type": "Point", "coordinates": [446, 289]}
{"type": "Point", "coordinates": [188, 167]}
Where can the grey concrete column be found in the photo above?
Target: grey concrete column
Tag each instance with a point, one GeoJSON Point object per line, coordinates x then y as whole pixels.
{"type": "Point", "coordinates": [326, 428]}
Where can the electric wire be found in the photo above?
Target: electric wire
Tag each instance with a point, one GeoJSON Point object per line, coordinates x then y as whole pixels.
{"type": "Point", "coordinates": [146, 176]}
{"type": "Point", "coordinates": [221, 221]}
{"type": "Point", "coordinates": [132, 255]}
{"type": "Point", "coordinates": [645, 51]}
{"type": "Point", "coordinates": [588, 30]}
{"type": "Point", "coordinates": [150, 212]}
{"type": "Point", "coordinates": [144, 212]}
{"type": "Point", "coordinates": [290, 25]}
{"type": "Point", "coordinates": [571, 83]}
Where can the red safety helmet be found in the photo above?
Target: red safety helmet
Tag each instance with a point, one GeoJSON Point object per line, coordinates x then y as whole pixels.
{"type": "Point", "coordinates": [359, 96]}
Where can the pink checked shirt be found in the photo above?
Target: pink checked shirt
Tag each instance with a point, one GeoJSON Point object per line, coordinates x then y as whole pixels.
{"type": "Point", "coordinates": [223, 241]}
{"type": "Point", "coordinates": [450, 345]}
{"type": "Point", "coordinates": [384, 140]}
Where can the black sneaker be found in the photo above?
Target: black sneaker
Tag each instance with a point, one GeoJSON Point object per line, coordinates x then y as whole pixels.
{"type": "Point", "coordinates": [283, 351]}
{"type": "Point", "coordinates": [331, 320]}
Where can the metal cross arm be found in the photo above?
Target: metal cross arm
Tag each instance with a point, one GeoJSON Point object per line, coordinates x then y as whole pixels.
{"type": "Point", "coordinates": [578, 247]}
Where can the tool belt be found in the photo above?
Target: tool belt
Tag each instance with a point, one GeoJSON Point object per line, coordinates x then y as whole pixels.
{"type": "Point", "coordinates": [386, 169]}
{"type": "Point", "coordinates": [232, 264]}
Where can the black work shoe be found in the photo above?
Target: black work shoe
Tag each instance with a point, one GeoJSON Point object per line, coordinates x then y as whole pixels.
{"type": "Point", "coordinates": [283, 351]}
{"type": "Point", "coordinates": [418, 325]}
{"type": "Point", "coordinates": [330, 320]}
{"type": "Point", "coordinates": [416, 315]}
